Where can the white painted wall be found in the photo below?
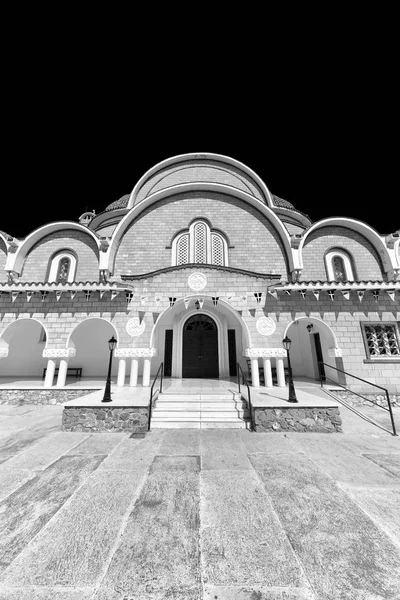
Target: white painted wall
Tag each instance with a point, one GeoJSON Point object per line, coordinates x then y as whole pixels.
{"type": "Point", "coordinates": [24, 349]}
{"type": "Point", "coordinates": [91, 343]}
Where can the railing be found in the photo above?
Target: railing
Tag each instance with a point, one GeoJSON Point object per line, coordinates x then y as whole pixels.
{"type": "Point", "coordinates": [323, 378]}
{"type": "Point", "coordinates": [245, 382]}
{"type": "Point", "coordinates": [160, 368]}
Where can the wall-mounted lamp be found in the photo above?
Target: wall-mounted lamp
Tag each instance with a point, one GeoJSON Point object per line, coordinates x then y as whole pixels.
{"type": "Point", "coordinates": [310, 327]}
{"type": "Point", "coordinates": [197, 304]}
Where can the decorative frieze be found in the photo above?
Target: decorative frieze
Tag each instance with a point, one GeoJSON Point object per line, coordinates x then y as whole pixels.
{"type": "Point", "coordinates": [265, 326]}
{"type": "Point", "coordinates": [264, 352]}
{"type": "Point", "coordinates": [59, 353]}
{"type": "Point", "coordinates": [197, 281]}
{"type": "Point", "coordinates": [134, 327]}
{"type": "Point", "coordinates": [135, 352]}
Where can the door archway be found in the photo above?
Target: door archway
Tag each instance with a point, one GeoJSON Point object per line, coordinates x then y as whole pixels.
{"type": "Point", "coordinates": [313, 341]}
{"type": "Point", "coordinates": [200, 347]}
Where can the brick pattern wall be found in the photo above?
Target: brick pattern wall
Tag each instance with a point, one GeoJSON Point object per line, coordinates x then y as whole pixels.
{"type": "Point", "coordinates": [365, 257]}
{"type": "Point", "coordinates": [107, 230]}
{"type": "Point", "coordinates": [343, 316]}
{"type": "Point", "coordinates": [257, 246]}
{"type": "Point", "coordinates": [36, 264]}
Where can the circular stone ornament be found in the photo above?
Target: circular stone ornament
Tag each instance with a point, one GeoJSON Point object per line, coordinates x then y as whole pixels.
{"type": "Point", "coordinates": [265, 326]}
{"type": "Point", "coordinates": [197, 281]}
{"type": "Point", "coordinates": [134, 327]}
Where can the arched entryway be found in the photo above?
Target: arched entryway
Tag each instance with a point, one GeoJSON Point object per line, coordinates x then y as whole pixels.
{"type": "Point", "coordinates": [90, 340]}
{"type": "Point", "coordinates": [23, 343]}
{"type": "Point", "coordinates": [200, 347]}
{"type": "Point", "coordinates": [313, 341]}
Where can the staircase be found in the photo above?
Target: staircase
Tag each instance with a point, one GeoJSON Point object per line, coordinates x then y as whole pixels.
{"type": "Point", "coordinates": [200, 411]}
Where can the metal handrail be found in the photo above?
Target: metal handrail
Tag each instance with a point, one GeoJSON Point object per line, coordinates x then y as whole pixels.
{"type": "Point", "coordinates": [245, 381]}
{"type": "Point", "coordinates": [389, 409]}
{"type": "Point", "coordinates": [161, 367]}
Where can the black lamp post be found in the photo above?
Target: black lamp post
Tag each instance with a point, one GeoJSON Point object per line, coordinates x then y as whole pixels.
{"type": "Point", "coordinates": [292, 392]}
{"type": "Point", "coordinates": [112, 344]}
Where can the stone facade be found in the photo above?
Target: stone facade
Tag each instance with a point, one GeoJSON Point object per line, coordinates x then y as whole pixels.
{"type": "Point", "coordinates": [105, 419]}
{"type": "Point", "coordinates": [278, 420]}
{"type": "Point", "coordinates": [273, 281]}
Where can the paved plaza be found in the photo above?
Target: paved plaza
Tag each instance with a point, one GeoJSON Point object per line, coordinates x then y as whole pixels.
{"type": "Point", "coordinates": [186, 514]}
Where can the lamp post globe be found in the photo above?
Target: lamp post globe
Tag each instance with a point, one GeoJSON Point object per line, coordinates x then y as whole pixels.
{"type": "Point", "coordinates": [112, 344]}
{"type": "Point", "coordinates": [287, 342]}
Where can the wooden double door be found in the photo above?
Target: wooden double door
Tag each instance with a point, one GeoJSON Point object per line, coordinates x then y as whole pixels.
{"type": "Point", "coordinates": [200, 347]}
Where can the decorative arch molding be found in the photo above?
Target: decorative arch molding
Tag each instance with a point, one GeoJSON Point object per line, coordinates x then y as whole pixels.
{"type": "Point", "coordinates": [347, 262]}
{"type": "Point", "coordinates": [107, 258]}
{"type": "Point", "coordinates": [54, 265]}
{"type": "Point", "coordinates": [226, 305]}
{"type": "Point", "coordinates": [186, 158]}
{"type": "Point", "coordinates": [15, 261]}
{"type": "Point", "coordinates": [377, 241]}
{"type": "Point", "coordinates": [25, 318]}
{"type": "Point", "coordinates": [320, 322]}
{"type": "Point", "coordinates": [70, 343]}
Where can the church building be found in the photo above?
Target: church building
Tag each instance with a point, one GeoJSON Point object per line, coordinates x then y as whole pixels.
{"type": "Point", "coordinates": [201, 267]}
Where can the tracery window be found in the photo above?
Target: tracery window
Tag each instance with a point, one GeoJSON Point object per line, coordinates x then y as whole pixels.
{"type": "Point", "coordinates": [339, 266]}
{"type": "Point", "coordinates": [381, 340]}
{"type": "Point", "coordinates": [200, 244]}
{"type": "Point", "coordinates": [62, 267]}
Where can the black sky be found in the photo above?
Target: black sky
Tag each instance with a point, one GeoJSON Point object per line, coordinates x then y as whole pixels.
{"type": "Point", "coordinates": [80, 128]}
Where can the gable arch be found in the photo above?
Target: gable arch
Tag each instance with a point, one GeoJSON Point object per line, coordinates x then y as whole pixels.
{"type": "Point", "coordinates": [367, 232]}
{"type": "Point", "coordinates": [33, 238]}
{"type": "Point", "coordinates": [108, 259]}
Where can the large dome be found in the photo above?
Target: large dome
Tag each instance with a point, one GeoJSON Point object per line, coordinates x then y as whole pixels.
{"type": "Point", "coordinates": [120, 203]}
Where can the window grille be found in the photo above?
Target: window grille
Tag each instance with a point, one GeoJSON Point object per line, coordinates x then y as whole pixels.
{"type": "Point", "coordinates": [217, 250]}
{"type": "Point", "coordinates": [182, 250]}
{"type": "Point", "coordinates": [382, 340]}
{"type": "Point", "coordinates": [200, 243]}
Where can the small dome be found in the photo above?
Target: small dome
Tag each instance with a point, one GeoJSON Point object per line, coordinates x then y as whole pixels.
{"type": "Point", "coordinates": [120, 203]}
{"type": "Point", "coordinates": [282, 203]}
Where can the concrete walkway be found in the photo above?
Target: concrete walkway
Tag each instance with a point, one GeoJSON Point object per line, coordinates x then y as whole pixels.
{"type": "Point", "coordinates": [197, 514]}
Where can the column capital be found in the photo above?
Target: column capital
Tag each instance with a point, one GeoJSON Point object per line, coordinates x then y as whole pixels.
{"type": "Point", "coordinates": [264, 352]}
{"type": "Point", "coordinates": [135, 352]}
{"type": "Point", "coordinates": [59, 352]}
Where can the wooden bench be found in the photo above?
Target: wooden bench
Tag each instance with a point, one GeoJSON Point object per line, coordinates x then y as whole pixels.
{"type": "Point", "coordinates": [77, 370]}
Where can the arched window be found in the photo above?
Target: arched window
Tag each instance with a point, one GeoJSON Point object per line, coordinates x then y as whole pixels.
{"type": "Point", "coordinates": [339, 265]}
{"type": "Point", "coordinates": [62, 268]}
{"type": "Point", "coordinates": [200, 244]}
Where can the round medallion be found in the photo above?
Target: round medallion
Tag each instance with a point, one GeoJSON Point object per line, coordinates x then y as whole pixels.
{"type": "Point", "coordinates": [265, 326]}
{"type": "Point", "coordinates": [197, 281]}
{"type": "Point", "coordinates": [134, 327]}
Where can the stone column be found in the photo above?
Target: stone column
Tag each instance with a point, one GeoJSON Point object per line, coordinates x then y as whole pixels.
{"type": "Point", "coordinates": [267, 372]}
{"type": "Point", "coordinates": [255, 376]}
{"type": "Point", "coordinates": [146, 372]}
{"type": "Point", "coordinates": [51, 366]}
{"type": "Point", "coordinates": [280, 371]}
{"type": "Point", "coordinates": [62, 372]}
{"type": "Point", "coordinates": [121, 372]}
{"type": "Point", "coordinates": [134, 372]}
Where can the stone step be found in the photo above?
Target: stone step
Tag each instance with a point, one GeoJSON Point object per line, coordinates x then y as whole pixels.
{"type": "Point", "coordinates": [199, 397]}
{"type": "Point", "coordinates": [220, 414]}
{"type": "Point", "coordinates": [165, 405]}
{"type": "Point", "coordinates": [237, 424]}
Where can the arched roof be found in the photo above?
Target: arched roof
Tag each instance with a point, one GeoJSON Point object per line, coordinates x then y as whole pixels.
{"type": "Point", "coordinates": [200, 168]}
{"type": "Point", "coordinates": [28, 243]}
{"type": "Point", "coordinates": [368, 232]}
{"type": "Point", "coordinates": [124, 224]}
